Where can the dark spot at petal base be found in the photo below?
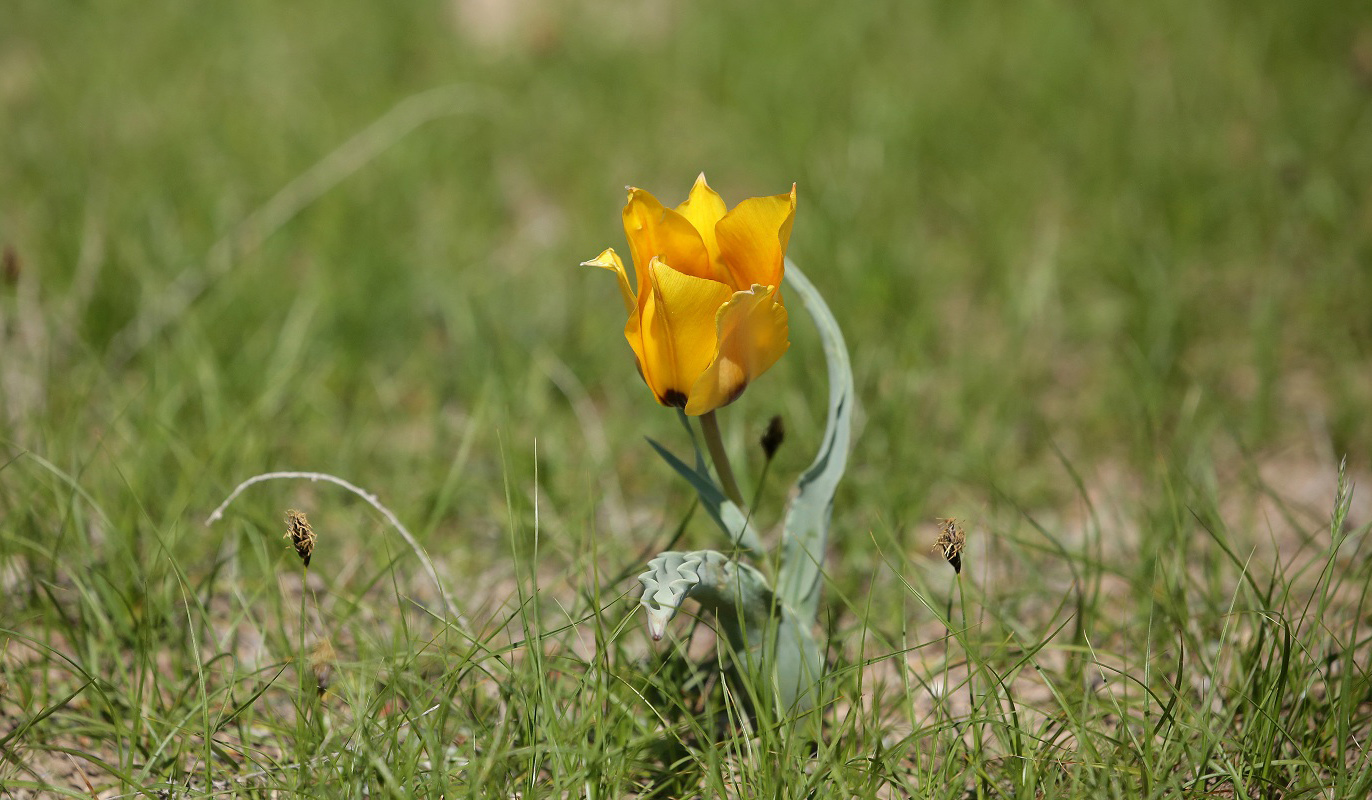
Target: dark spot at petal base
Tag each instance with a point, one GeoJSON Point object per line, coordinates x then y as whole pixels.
{"type": "Point", "coordinates": [674, 399]}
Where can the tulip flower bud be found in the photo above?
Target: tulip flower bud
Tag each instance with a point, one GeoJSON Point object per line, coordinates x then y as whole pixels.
{"type": "Point", "coordinates": [706, 316]}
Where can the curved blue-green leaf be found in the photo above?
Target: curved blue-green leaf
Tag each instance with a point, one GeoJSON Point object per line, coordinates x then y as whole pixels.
{"type": "Point", "coordinates": [807, 518]}
{"type": "Point", "coordinates": [798, 663]}
{"type": "Point", "coordinates": [766, 635]}
{"type": "Point", "coordinates": [712, 579]}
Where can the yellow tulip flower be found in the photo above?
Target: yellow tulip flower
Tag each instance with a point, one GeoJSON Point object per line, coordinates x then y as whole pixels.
{"type": "Point", "coordinates": [707, 315]}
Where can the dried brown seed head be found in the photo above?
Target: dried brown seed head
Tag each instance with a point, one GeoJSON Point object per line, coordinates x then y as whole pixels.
{"type": "Point", "coordinates": [300, 533]}
{"type": "Point", "coordinates": [951, 538]}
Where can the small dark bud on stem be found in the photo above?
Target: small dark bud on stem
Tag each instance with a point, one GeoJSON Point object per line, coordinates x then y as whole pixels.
{"type": "Point", "coordinates": [951, 538]}
{"type": "Point", "coordinates": [10, 265]}
{"type": "Point", "coordinates": [300, 533]}
{"type": "Point", "coordinates": [773, 437]}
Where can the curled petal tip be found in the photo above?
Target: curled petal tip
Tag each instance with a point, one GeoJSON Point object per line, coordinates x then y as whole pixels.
{"type": "Point", "coordinates": [609, 259]}
{"type": "Point", "coordinates": [606, 260]}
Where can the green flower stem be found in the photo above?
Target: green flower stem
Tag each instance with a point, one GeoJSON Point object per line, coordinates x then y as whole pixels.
{"type": "Point", "coordinates": [302, 666]}
{"type": "Point", "coordinates": [761, 481]}
{"type": "Point", "coordinates": [709, 425]}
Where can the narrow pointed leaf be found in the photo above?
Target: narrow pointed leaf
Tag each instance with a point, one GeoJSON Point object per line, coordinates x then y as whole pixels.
{"type": "Point", "coordinates": [695, 445]}
{"type": "Point", "coordinates": [721, 509]}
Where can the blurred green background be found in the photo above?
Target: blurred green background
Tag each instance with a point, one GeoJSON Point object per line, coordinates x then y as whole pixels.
{"type": "Point", "coordinates": [1133, 233]}
{"type": "Point", "coordinates": [1105, 271]}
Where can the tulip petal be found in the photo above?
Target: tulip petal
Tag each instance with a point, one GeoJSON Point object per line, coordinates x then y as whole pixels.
{"type": "Point", "coordinates": [753, 238]}
{"type": "Point", "coordinates": [610, 260]}
{"type": "Point", "coordinates": [676, 334]}
{"type": "Point", "coordinates": [704, 208]}
{"type": "Point", "coordinates": [655, 231]}
{"type": "Point", "coordinates": [753, 333]}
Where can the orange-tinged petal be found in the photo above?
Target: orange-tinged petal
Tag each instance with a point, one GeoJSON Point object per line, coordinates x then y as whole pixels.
{"type": "Point", "coordinates": [677, 331]}
{"type": "Point", "coordinates": [655, 231]}
{"type": "Point", "coordinates": [704, 208]}
{"type": "Point", "coordinates": [753, 238]}
{"type": "Point", "coordinates": [752, 334]}
{"type": "Point", "coordinates": [610, 260]}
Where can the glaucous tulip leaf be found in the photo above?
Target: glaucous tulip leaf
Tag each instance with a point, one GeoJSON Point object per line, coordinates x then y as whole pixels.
{"type": "Point", "coordinates": [763, 631]}
{"type": "Point", "coordinates": [807, 519]}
